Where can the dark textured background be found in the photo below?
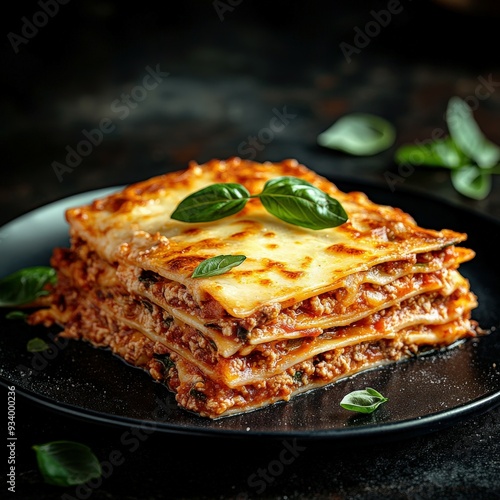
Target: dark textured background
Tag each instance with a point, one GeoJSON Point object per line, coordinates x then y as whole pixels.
{"type": "Point", "coordinates": [225, 78]}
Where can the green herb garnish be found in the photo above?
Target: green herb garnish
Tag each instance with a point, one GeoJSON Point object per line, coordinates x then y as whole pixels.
{"type": "Point", "coordinates": [467, 135]}
{"type": "Point", "coordinates": [165, 360]}
{"type": "Point", "coordinates": [290, 199]}
{"type": "Point", "coordinates": [212, 203]}
{"type": "Point", "coordinates": [364, 401]}
{"type": "Point", "coordinates": [16, 315]}
{"type": "Point", "coordinates": [471, 181]}
{"type": "Point", "coordinates": [242, 333]}
{"type": "Point", "coordinates": [25, 285]}
{"type": "Point", "coordinates": [360, 134]}
{"type": "Point", "coordinates": [471, 157]}
{"type": "Point", "coordinates": [148, 278]}
{"type": "Point", "coordinates": [440, 153]}
{"type": "Point", "coordinates": [67, 463]}
{"type": "Point", "coordinates": [36, 345]}
{"type": "Point", "coordinates": [198, 394]}
{"type": "Point", "coordinates": [217, 265]}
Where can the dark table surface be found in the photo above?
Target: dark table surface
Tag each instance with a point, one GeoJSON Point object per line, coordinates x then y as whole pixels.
{"type": "Point", "coordinates": [220, 72]}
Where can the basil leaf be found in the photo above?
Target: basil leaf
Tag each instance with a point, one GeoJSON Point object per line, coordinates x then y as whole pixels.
{"type": "Point", "coordinates": [37, 345]}
{"type": "Point", "coordinates": [468, 136]}
{"type": "Point", "coordinates": [217, 265]}
{"type": "Point", "coordinates": [289, 198]}
{"type": "Point", "coordinates": [359, 134]}
{"type": "Point", "coordinates": [16, 315]}
{"type": "Point", "coordinates": [472, 181]}
{"type": "Point", "coordinates": [25, 285]}
{"type": "Point", "coordinates": [365, 401]}
{"type": "Point", "coordinates": [443, 153]}
{"type": "Point", "coordinates": [165, 360]}
{"type": "Point", "coordinates": [300, 203]}
{"type": "Point", "coordinates": [212, 203]}
{"type": "Point", "coordinates": [493, 170]}
{"type": "Point", "coordinates": [67, 463]}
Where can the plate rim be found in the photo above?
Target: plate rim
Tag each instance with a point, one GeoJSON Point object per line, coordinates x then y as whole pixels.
{"type": "Point", "coordinates": [407, 428]}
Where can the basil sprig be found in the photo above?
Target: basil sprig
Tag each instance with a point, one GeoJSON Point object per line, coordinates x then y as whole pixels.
{"type": "Point", "coordinates": [217, 265]}
{"type": "Point", "coordinates": [25, 285]}
{"type": "Point", "coordinates": [67, 463]}
{"type": "Point", "coordinates": [471, 157]}
{"type": "Point", "coordinates": [290, 199]}
{"type": "Point", "coordinates": [363, 401]}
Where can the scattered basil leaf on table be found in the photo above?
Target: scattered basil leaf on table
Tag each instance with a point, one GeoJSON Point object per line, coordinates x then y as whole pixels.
{"type": "Point", "coordinates": [16, 315]}
{"type": "Point", "coordinates": [25, 285]}
{"type": "Point", "coordinates": [217, 265]}
{"type": "Point", "coordinates": [290, 199]}
{"type": "Point", "coordinates": [363, 401]}
{"type": "Point", "coordinates": [471, 157]}
{"type": "Point", "coordinates": [67, 463]}
{"type": "Point", "coordinates": [441, 153]}
{"type": "Point", "coordinates": [467, 135]}
{"type": "Point", "coordinates": [359, 134]}
{"type": "Point", "coordinates": [36, 344]}
{"type": "Point", "coordinates": [471, 181]}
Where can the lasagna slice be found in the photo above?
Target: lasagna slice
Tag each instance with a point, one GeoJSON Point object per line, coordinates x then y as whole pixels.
{"type": "Point", "coordinates": [305, 308]}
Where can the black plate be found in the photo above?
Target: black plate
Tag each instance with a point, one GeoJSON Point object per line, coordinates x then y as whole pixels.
{"type": "Point", "coordinates": [425, 394]}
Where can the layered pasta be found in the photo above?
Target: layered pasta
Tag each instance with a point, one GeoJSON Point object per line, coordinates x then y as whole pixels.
{"type": "Point", "coordinates": [305, 309]}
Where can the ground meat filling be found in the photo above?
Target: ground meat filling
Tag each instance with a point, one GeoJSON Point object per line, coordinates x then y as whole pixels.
{"type": "Point", "coordinates": [207, 397]}
{"type": "Point", "coordinates": [76, 311]}
{"type": "Point", "coordinates": [112, 306]}
{"type": "Point", "coordinates": [89, 270]}
{"type": "Point", "coordinates": [202, 395]}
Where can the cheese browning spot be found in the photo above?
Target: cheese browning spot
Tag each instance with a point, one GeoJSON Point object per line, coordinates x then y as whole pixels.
{"type": "Point", "coordinates": [192, 231]}
{"type": "Point", "coordinates": [306, 262]}
{"type": "Point", "coordinates": [241, 235]}
{"type": "Point", "coordinates": [184, 263]}
{"type": "Point", "coordinates": [340, 248]}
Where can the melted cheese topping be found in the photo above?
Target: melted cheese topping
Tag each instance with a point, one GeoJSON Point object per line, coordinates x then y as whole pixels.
{"type": "Point", "coordinates": [285, 263]}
